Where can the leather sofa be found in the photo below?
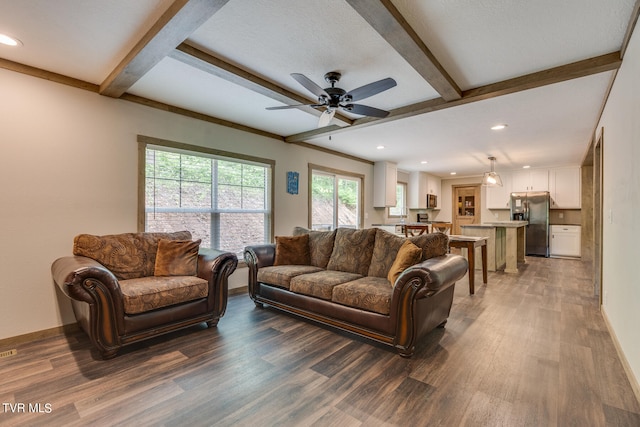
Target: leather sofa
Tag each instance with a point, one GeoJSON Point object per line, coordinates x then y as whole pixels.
{"type": "Point", "coordinates": [352, 280]}
{"type": "Point", "coordinates": [125, 288]}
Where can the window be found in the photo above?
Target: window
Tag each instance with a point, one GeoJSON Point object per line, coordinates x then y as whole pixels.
{"type": "Point", "coordinates": [335, 198]}
{"type": "Point", "coordinates": [223, 200]}
{"type": "Point", "coordinates": [400, 209]}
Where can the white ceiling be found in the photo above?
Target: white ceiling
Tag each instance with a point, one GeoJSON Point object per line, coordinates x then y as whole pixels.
{"type": "Point", "coordinates": [476, 42]}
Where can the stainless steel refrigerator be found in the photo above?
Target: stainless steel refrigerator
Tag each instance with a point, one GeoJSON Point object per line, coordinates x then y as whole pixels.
{"type": "Point", "coordinates": [533, 207]}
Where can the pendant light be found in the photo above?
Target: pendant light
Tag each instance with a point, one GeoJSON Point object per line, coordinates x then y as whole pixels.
{"type": "Point", "coordinates": [491, 179]}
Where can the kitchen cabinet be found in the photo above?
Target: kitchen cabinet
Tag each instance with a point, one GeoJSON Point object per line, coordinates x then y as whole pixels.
{"type": "Point", "coordinates": [565, 188]}
{"type": "Point", "coordinates": [421, 184]}
{"type": "Point", "coordinates": [434, 184]}
{"type": "Point", "coordinates": [417, 190]}
{"type": "Point", "coordinates": [530, 180]}
{"type": "Point", "coordinates": [500, 197]}
{"type": "Point", "coordinates": [385, 180]}
{"type": "Point", "coordinates": [565, 240]}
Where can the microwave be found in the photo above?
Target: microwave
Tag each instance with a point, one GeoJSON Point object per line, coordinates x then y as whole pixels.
{"type": "Point", "coordinates": [432, 201]}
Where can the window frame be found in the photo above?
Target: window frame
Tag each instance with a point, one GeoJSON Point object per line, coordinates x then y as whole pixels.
{"type": "Point", "coordinates": [400, 203]}
{"type": "Point", "coordinates": [183, 148]}
{"type": "Point", "coordinates": [336, 173]}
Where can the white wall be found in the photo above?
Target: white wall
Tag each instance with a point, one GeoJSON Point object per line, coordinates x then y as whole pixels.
{"type": "Point", "coordinates": [68, 165]}
{"type": "Point", "coordinates": [621, 205]}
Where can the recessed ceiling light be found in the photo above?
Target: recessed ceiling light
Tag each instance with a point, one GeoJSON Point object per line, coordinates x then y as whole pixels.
{"type": "Point", "coordinates": [424, 162]}
{"type": "Point", "coordinates": [452, 173]}
{"type": "Point", "coordinates": [9, 41]}
{"type": "Point", "coordinates": [526, 167]}
{"type": "Point", "coordinates": [380, 147]}
{"type": "Point", "coordinates": [498, 127]}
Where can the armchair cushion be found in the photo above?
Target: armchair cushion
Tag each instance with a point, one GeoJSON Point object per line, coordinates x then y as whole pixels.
{"type": "Point", "coordinates": [128, 255]}
{"type": "Point", "coordinates": [177, 258]}
{"type": "Point", "coordinates": [149, 293]}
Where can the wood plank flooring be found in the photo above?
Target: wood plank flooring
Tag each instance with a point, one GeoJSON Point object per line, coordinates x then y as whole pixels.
{"type": "Point", "coordinates": [526, 350]}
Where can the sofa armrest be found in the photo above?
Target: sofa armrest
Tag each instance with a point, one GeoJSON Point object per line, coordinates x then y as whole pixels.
{"type": "Point", "coordinates": [76, 276]}
{"type": "Point", "coordinates": [87, 281]}
{"type": "Point", "coordinates": [422, 298]}
{"type": "Point", "coordinates": [215, 266]}
{"type": "Point", "coordinates": [432, 275]}
{"type": "Point", "coordinates": [257, 256]}
{"type": "Point", "coordinates": [260, 255]}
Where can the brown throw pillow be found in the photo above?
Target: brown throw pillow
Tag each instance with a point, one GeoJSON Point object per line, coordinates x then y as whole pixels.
{"type": "Point", "coordinates": [177, 258]}
{"type": "Point", "coordinates": [292, 250]}
{"type": "Point", "coordinates": [408, 255]}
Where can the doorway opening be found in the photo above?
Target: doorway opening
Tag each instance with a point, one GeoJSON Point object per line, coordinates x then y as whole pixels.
{"type": "Point", "coordinates": [597, 216]}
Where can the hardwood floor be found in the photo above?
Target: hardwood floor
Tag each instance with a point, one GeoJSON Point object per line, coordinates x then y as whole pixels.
{"type": "Point", "coordinates": [526, 350]}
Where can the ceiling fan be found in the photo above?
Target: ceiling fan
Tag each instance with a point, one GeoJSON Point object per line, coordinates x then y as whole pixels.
{"type": "Point", "coordinates": [332, 98]}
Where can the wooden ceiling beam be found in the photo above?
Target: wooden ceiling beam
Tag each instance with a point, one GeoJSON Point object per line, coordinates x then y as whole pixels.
{"type": "Point", "coordinates": [587, 67]}
{"type": "Point", "coordinates": [383, 16]}
{"type": "Point", "coordinates": [203, 61]}
{"type": "Point", "coordinates": [177, 23]}
{"type": "Point", "coordinates": [630, 27]}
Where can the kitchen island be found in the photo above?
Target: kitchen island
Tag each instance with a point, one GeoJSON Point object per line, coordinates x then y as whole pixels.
{"type": "Point", "coordinates": [505, 243]}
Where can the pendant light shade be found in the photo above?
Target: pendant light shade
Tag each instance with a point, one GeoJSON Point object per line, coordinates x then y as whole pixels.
{"type": "Point", "coordinates": [491, 179]}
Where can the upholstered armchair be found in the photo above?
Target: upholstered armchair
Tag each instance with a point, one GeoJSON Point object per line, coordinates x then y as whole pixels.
{"type": "Point", "coordinates": [125, 288]}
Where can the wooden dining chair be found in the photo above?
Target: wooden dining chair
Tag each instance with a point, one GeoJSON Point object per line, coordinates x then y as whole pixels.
{"type": "Point", "coordinates": [442, 227]}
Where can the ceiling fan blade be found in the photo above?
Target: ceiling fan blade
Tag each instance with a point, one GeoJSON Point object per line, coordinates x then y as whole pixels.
{"type": "Point", "coordinates": [310, 85]}
{"type": "Point", "coordinates": [326, 117]}
{"type": "Point", "coordinates": [365, 110]}
{"type": "Point", "coordinates": [369, 90]}
{"type": "Point", "coordinates": [286, 107]}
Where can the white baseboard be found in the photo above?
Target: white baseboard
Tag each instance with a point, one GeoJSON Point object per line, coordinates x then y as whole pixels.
{"type": "Point", "coordinates": [625, 363]}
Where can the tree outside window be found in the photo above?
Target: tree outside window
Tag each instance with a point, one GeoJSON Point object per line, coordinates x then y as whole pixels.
{"type": "Point", "coordinates": [335, 199]}
{"type": "Point", "coordinates": [226, 202]}
{"type": "Point", "coordinates": [400, 209]}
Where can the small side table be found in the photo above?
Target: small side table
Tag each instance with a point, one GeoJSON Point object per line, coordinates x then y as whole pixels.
{"type": "Point", "coordinates": [470, 243]}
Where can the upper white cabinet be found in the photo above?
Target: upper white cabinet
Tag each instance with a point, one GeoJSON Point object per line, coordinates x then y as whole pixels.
{"type": "Point", "coordinates": [565, 188]}
{"type": "Point", "coordinates": [500, 197]}
{"type": "Point", "coordinates": [417, 190]}
{"type": "Point", "coordinates": [421, 184]}
{"type": "Point", "coordinates": [563, 185]}
{"type": "Point", "coordinates": [385, 180]}
{"type": "Point", "coordinates": [434, 184]}
{"type": "Point", "coordinates": [530, 180]}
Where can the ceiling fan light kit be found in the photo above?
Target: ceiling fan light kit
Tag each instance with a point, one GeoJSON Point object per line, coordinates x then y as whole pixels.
{"type": "Point", "coordinates": [333, 98]}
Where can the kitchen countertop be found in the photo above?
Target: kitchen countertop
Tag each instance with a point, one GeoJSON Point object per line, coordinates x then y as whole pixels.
{"type": "Point", "coordinates": [409, 223]}
{"type": "Point", "coordinates": [506, 224]}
